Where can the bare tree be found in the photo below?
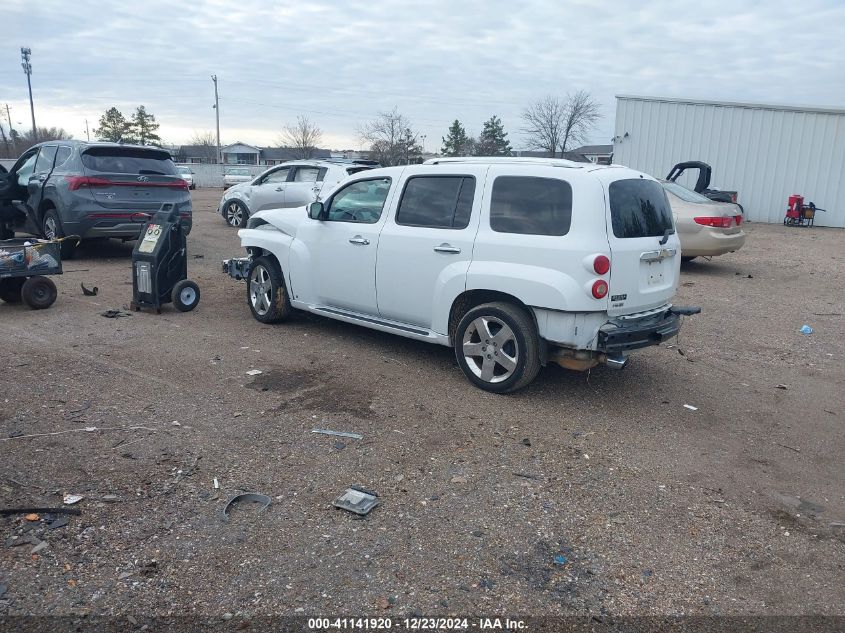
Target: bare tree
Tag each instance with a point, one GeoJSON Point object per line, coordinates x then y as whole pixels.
{"type": "Point", "coordinates": [391, 139]}
{"type": "Point", "coordinates": [303, 138]}
{"type": "Point", "coordinates": [555, 125]}
{"type": "Point", "coordinates": [206, 143]}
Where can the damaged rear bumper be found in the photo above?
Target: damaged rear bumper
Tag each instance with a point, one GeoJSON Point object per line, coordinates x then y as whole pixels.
{"type": "Point", "coordinates": [615, 338]}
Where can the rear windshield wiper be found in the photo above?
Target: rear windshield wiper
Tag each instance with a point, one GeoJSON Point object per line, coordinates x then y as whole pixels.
{"type": "Point", "coordinates": [666, 235]}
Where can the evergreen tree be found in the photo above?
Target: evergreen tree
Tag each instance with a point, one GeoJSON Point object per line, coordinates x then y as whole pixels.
{"type": "Point", "coordinates": [113, 126]}
{"type": "Point", "coordinates": [456, 142]}
{"type": "Point", "coordinates": [143, 127]}
{"type": "Point", "coordinates": [493, 140]}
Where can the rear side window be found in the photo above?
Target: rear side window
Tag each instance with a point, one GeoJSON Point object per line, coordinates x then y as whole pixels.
{"type": "Point", "coordinates": [442, 202]}
{"type": "Point", "coordinates": [128, 160]}
{"type": "Point", "coordinates": [62, 155]}
{"type": "Point", "coordinates": [531, 206]}
{"type": "Point", "coordinates": [639, 208]}
{"type": "Point", "coordinates": [306, 174]}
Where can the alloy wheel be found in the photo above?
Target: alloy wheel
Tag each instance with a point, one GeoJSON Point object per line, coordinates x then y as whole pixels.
{"type": "Point", "coordinates": [490, 349]}
{"type": "Point", "coordinates": [260, 289]}
{"type": "Point", "coordinates": [50, 228]}
{"type": "Point", "coordinates": [234, 214]}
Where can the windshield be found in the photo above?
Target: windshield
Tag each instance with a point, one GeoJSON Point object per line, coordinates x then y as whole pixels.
{"type": "Point", "coordinates": [639, 208]}
{"type": "Point", "coordinates": [683, 193]}
{"type": "Point", "coordinates": [237, 172]}
{"type": "Point", "coordinates": [184, 170]}
{"type": "Point", "coordinates": [128, 160]}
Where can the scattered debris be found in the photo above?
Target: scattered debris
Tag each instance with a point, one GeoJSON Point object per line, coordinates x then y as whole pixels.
{"type": "Point", "coordinates": [252, 497]}
{"type": "Point", "coordinates": [792, 448]}
{"type": "Point", "coordinates": [354, 436]}
{"type": "Point", "coordinates": [41, 546]}
{"type": "Point", "coordinates": [527, 476]}
{"type": "Point", "coordinates": [32, 516]}
{"type": "Point", "coordinates": [87, 429]}
{"type": "Point", "coordinates": [58, 523]}
{"type": "Point", "coordinates": [216, 484]}
{"type": "Point", "coordinates": [526, 441]}
{"type": "Point", "coordinates": [357, 500]}
{"type": "Point", "coordinates": [89, 293]}
{"type": "Point", "coordinates": [560, 559]}
{"type": "Point", "coordinates": [176, 423]}
{"type": "Point", "coordinates": [69, 499]}
{"type": "Point", "coordinates": [36, 511]}
{"type": "Point", "coordinates": [782, 386]}
{"type": "Point", "coordinates": [806, 330]}
{"type": "Point", "coordinates": [690, 407]}
{"type": "Point", "coordinates": [115, 314]}
{"type": "Point", "coordinates": [254, 372]}
{"type": "Point", "coordinates": [339, 445]}
{"type": "Point", "coordinates": [458, 479]}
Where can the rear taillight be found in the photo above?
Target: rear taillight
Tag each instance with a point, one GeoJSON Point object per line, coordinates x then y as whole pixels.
{"type": "Point", "coordinates": [601, 265]}
{"type": "Point", "coordinates": [738, 219]}
{"type": "Point", "coordinates": [599, 288]}
{"type": "Point", "coordinates": [84, 182]}
{"type": "Point", "coordinates": [719, 222]}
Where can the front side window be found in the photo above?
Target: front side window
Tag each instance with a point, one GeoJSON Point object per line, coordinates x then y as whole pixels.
{"type": "Point", "coordinates": [275, 177]}
{"type": "Point", "coordinates": [639, 208]}
{"type": "Point", "coordinates": [442, 202]}
{"type": "Point", "coordinates": [531, 206]}
{"type": "Point", "coordinates": [45, 159]}
{"type": "Point", "coordinates": [360, 201]}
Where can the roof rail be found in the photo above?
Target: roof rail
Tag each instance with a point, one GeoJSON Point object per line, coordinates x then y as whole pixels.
{"type": "Point", "coordinates": [553, 162]}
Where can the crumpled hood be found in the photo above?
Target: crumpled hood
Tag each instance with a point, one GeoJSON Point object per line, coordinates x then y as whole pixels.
{"type": "Point", "coordinates": [286, 220]}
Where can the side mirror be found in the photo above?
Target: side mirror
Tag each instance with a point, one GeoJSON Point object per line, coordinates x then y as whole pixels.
{"type": "Point", "coordinates": [315, 211]}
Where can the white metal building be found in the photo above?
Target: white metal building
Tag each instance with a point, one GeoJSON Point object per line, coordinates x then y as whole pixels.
{"type": "Point", "coordinates": [765, 152]}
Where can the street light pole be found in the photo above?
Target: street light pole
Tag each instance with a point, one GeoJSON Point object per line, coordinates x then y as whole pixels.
{"type": "Point", "coordinates": [26, 53]}
{"type": "Point", "coordinates": [217, 115]}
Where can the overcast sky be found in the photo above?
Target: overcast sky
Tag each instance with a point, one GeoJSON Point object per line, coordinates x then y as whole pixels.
{"type": "Point", "coordinates": [339, 63]}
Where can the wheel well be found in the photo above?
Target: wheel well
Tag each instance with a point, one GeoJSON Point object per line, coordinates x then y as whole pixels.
{"type": "Point", "coordinates": [466, 301]}
{"type": "Point", "coordinates": [45, 205]}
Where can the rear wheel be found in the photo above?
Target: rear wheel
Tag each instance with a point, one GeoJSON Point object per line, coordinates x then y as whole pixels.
{"type": "Point", "coordinates": [39, 292]}
{"type": "Point", "coordinates": [51, 228]}
{"type": "Point", "coordinates": [236, 214]}
{"type": "Point", "coordinates": [10, 289]}
{"type": "Point", "coordinates": [497, 347]}
{"type": "Point", "coordinates": [266, 293]}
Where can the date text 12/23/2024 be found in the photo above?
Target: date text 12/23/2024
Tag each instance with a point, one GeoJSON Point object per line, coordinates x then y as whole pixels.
{"type": "Point", "coordinates": [416, 624]}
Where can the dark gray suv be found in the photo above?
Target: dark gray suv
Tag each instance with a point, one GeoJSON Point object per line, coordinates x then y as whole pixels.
{"type": "Point", "coordinates": [92, 190]}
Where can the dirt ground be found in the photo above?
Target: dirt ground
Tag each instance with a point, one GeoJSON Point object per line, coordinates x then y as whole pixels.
{"type": "Point", "coordinates": [589, 494]}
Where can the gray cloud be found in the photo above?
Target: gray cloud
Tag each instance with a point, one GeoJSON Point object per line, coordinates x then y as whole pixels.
{"type": "Point", "coordinates": [342, 62]}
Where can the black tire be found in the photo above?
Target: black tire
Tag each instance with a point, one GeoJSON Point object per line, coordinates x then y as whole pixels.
{"type": "Point", "coordinates": [192, 187]}
{"type": "Point", "coordinates": [39, 292]}
{"type": "Point", "coordinates": [6, 232]}
{"type": "Point", "coordinates": [522, 349]}
{"type": "Point", "coordinates": [236, 214]}
{"type": "Point", "coordinates": [687, 259]}
{"type": "Point", "coordinates": [10, 289]}
{"type": "Point", "coordinates": [52, 229]}
{"type": "Point", "coordinates": [185, 295]}
{"type": "Point", "coordinates": [275, 307]}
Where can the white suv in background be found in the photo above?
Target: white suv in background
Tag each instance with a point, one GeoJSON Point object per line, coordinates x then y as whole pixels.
{"type": "Point", "coordinates": [291, 184]}
{"type": "Point", "coordinates": [512, 262]}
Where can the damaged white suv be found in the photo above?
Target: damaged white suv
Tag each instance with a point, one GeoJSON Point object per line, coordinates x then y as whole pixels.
{"type": "Point", "coordinates": [512, 262]}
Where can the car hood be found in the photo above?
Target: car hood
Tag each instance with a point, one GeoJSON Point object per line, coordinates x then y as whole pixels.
{"type": "Point", "coordinates": [286, 220]}
{"type": "Point", "coordinates": [241, 186]}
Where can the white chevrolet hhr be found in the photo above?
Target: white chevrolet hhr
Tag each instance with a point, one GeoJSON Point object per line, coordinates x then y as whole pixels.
{"type": "Point", "coordinates": [512, 262]}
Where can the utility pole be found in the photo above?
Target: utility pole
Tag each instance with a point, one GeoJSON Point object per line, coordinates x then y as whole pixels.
{"type": "Point", "coordinates": [217, 114]}
{"type": "Point", "coordinates": [27, 69]}
{"type": "Point", "coordinates": [11, 132]}
{"type": "Point", "coordinates": [87, 133]}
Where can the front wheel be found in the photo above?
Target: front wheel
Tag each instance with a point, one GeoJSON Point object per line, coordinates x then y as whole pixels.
{"type": "Point", "coordinates": [266, 293]}
{"type": "Point", "coordinates": [497, 347]}
{"type": "Point", "coordinates": [236, 214]}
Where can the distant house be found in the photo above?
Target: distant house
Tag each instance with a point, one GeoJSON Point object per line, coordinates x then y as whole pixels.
{"type": "Point", "coordinates": [599, 154]}
{"type": "Point", "coordinates": [239, 154]}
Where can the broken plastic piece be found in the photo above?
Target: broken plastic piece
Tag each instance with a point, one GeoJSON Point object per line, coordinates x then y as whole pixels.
{"type": "Point", "coordinates": [89, 293]}
{"type": "Point", "coordinates": [254, 372]}
{"type": "Point", "coordinates": [70, 499]}
{"type": "Point", "coordinates": [253, 497]}
{"type": "Point", "coordinates": [357, 500]}
{"type": "Point", "coordinates": [354, 436]}
{"type": "Point", "coordinates": [690, 407]}
{"type": "Point", "coordinates": [806, 330]}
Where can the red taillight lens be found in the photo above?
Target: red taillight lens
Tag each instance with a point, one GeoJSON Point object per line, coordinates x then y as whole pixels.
{"type": "Point", "coordinates": [80, 182]}
{"type": "Point", "coordinates": [738, 219]}
{"type": "Point", "coordinates": [718, 222]}
{"type": "Point", "coordinates": [601, 265]}
{"type": "Point", "coordinates": [600, 289]}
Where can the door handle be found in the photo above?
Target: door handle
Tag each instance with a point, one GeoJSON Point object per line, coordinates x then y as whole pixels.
{"type": "Point", "coordinates": [447, 248]}
{"type": "Point", "coordinates": [361, 241]}
{"type": "Point", "coordinates": [279, 189]}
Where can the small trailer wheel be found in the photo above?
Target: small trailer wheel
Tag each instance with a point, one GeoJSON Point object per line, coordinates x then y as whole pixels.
{"type": "Point", "coordinates": [10, 289]}
{"type": "Point", "coordinates": [39, 292]}
{"type": "Point", "coordinates": [185, 295]}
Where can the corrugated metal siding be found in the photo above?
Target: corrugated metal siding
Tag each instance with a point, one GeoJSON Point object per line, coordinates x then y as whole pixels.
{"type": "Point", "coordinates": [764, 153]}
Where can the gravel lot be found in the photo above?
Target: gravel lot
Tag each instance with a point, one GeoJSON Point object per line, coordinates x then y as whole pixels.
{"type": "Point", "coordinates": [735, 508]}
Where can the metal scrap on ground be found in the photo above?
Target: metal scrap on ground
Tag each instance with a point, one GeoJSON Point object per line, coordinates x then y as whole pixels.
{"type": "Point", "coordinates": [252, 497]}
{"type": "Point", "coordinates": [354, 436]}
{"type": "Point", "coordinates": [357, 500]}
